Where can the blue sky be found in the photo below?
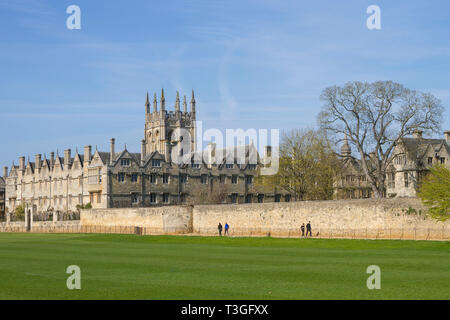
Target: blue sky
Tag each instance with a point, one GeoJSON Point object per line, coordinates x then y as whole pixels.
{"type": "Point", "coordinates": [253, 64]}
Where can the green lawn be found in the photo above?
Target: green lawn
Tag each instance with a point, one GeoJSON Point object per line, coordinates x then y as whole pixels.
{"type": "Point", "coordinates": [33, 266]}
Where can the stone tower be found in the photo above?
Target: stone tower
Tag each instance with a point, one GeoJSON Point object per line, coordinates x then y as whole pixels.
{"type": "Point", "coordinates": [160, 124]}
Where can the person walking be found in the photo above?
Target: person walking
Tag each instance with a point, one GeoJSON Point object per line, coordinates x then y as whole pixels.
{"type": "Point", "coordinates": [226, 229]}
{"type": "Point", "coordinates": [220, 229]}
{"type": "Point", "coordinates": [308, 229]}
{"type": "Point", "coordinates": [303, 230]}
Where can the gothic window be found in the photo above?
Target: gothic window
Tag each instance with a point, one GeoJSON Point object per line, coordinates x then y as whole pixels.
{"type": "Point", "coordinates": [430, 160]}
{"type": "Point", "coordinates": [277, 197]}
{"type": "Point", "coordinates": [121, 177]}
{"type": "Point", "coordinates": [134, 198]}
{"type": "Point", "coordinates": [166, 178]}
{"type": "Point", "coordinates": [287, 198]}
{"type": "Point", "coordinates": [234, 179]}
{"type": "Point", "coordinates": [442, 160]}
{"type": "Point", "coordinates": [183, 178]}
{"type": "Point", "coordinates": [134, 177]}
{"type": "Point", "coordinates": [248, 179]}
{"type": "Point", "coordinates": [222, 178]}
{"type": "Point", "coordinates": [248, 198]}
{"type": "Point", "coordinates": [234, 198]}
{"type": "Point", "coordinates": [406, 179]}
{"type": "Point", "coordinates": [153, 197]}
{"type": "Point", "coordinates": [204, 179]}
{"type": "Point", "coordinates": [153, 178]}
{"type": "Point", "coordinates": [166, 198]}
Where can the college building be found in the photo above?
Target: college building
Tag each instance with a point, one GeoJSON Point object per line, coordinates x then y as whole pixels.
{"type": "Point", "coordinates": [149, 178]}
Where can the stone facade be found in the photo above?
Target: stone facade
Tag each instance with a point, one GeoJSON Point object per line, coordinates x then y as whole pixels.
{"type": "Point", "coordinates": [411, 159]}
{"type": "Point", "coordinates": [149, 178]}
{"type": "Point", "coordinates": [2, 199]}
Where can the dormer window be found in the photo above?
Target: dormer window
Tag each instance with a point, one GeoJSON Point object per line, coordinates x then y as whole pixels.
{"type": "Point", "coordinates": [229, 166]}
{"type": "Point", "coordinates": [125, 162]}
{"type": "Point", "coordinates": [195, 165]}
{"type": "Point", "coordinates": [156, 163]}
{"type": "Point", "coordinates": [252, 166]}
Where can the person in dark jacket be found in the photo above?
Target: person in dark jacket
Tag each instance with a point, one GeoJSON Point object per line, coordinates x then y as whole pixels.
{"type": "Point", "coordinates": [220, 228]}
{"type": "Point", "coordinates": [226, 228]}
{"type": "Point", "coordinates": [308, 229]}
{"type": "Point", "coordinates": [303, 230]}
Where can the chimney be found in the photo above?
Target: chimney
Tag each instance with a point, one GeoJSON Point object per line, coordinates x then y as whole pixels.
{"type": "Point", "coordinates": [21, 163]}
{"type": "Point", "coordinates": [52, 159]}
{"type": "Point", "coordinates": [143, 153]}
{"type": "Point", "coordinates": [167, 153]}
{"type": "Point", "coordinates": [37, 160]}
{"type": "Point", "coordinates": [67, 157]}
{"type": "Point", "coordinates": [211, 153]}
{"type": "Point", "coordinates": [417, 134]}
{"type": "Point", "coordinates": [447, 136]}
{"type": "Point", "coordinates": [112, 150]}
{"type": "Point", "coordinates": [87, 155]}
{"type": "Point", "coordinates": [5, 172]}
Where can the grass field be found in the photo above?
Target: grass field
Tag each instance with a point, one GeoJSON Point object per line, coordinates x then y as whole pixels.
{"type": "Point", "coordinates": [33, 266]}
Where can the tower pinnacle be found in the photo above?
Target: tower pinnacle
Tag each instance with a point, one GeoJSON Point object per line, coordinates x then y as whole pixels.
{"type": "Point", "coordinates": [193, 102]}
{"type": "Point", "coordinates": [163, 100]}
{"type": "Point", "coordinates": [155, 103]}
{"type": "Point", "coordinates": [177, 103]}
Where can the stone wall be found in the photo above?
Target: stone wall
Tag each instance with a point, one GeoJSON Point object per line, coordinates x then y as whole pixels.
{"type": "Point", "coordinates": [358, 213]}
{"type": "Point", "coordinates": [41, 226]}
{"type": "Point", "coordinates": [399, 218]}
{"type": "Point", "coordinates": [168, 219]}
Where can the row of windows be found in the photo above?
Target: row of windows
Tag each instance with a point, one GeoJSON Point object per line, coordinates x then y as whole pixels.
{"type": "Point", "coordinates": [440, 160]}
{"type": "Point", "coordinates": [183, 178]}
{"type": "Point", "coordinates": [127, 163]}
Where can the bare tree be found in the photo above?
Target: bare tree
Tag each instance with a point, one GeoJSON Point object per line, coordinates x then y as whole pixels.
{"type": "Point", "coordinates": [375, 116]}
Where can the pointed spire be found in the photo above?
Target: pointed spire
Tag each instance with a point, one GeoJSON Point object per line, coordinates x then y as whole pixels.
{"type": "Point", "coordinates": [163, 100]}
{"type": "Point", "coordinates": [193, 102]}
{"type": "Point", "coordinates": [147, 104]}
{"type": "Point", "coordinates": [346, 151]}
{"type": "Point", "coordinates": [177, 103]}
{"type": "Point", "coordinates": [184, 105]}
{"type": "Point", "coordinates": [155, 103]}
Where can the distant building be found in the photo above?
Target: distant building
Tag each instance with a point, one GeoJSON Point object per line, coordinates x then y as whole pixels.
{"type": "Point", "coordinates": [2, 197]}
{"type": "Point", "coordinates": [149, 178]}
{"type": "Point", "coordinates": [352, 184]}
{"type": "Point", "coordinates": [411, 159]}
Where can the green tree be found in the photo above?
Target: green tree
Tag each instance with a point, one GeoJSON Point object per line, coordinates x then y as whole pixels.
{"type": "Point", "coordinates": [307, 167]}
{"type": "Point", "coordinates": [19, 212]}
{"type": "Point", "coordinates": [434, 192]}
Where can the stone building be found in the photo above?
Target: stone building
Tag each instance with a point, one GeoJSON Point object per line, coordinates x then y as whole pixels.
{"type": "Point", "coordinates": [2, 196]}
{"type": "Point", "coordinates": [149, 178]}
{"type": "Point", "coordinates": [411, 159]}
{"type": "Point", "coordinates": [353, 183]}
